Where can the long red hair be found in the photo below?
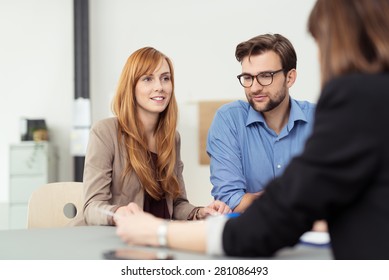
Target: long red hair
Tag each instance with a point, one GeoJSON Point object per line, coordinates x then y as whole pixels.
{"type": "Point", "coordinates": [131, 132]}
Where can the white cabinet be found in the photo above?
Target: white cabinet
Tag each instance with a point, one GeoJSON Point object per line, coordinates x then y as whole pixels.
{"type": "Point", "coordinates": [32, 164]}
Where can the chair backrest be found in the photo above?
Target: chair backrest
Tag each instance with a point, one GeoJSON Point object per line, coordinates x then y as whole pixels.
{"type": "Point", "coordinates": [55, 205]}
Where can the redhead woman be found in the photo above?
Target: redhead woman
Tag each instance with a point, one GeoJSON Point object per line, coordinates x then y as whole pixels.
{"type": "Point", "coordinates": [133, 160]}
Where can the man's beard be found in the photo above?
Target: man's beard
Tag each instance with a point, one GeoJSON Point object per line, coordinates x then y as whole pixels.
{"type": "Point", "coordinates": [269, 105]}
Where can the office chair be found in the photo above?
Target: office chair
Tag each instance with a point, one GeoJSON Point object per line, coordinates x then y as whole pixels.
{"type": "Point", "coordinates": [55, 205]}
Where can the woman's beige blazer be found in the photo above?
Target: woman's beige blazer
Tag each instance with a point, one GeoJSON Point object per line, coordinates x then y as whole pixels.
{"type": "Point", "coordinates": [103, 184]}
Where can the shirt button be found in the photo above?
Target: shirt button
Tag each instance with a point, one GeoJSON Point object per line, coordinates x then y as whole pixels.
{"type": "Point", "coordinates": [279, 166]}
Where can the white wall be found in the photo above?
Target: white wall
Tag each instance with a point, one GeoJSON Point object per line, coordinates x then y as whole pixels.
{"type": "Point", "coordinates": [199, 35]}
{"type": "Point", "coordinates": [36, 75]}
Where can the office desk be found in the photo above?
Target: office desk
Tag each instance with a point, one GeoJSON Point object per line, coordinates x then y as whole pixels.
{"type": "Point", "coordinates": [90, 242]}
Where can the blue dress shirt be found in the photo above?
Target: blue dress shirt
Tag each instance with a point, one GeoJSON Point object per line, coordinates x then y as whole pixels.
{"type": "Point", "coordinates": [245, 153]}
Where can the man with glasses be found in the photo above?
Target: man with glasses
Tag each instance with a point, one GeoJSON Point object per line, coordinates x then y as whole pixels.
{"type": "Point", "coordinates": [251, 142]}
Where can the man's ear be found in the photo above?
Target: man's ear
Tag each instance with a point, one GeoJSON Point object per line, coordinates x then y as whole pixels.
{"type": "Point", "coordinates": [291, 77]}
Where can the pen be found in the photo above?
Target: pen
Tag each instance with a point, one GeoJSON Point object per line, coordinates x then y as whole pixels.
{"type": "Point", "coordinates": [108, 213]}
{"type": "Point", "coordinates": [233, 215]}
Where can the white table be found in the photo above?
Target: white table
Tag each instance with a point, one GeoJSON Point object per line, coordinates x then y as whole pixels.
{"type": "Point", "coordinates": [91, 242]}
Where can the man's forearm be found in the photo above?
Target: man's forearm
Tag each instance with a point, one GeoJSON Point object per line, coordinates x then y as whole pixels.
{"type": "Point", "coordinates": [246, 201]}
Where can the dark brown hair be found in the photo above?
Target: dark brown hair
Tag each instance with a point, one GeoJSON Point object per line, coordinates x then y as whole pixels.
{"type": "Point", "coordinates": [352, 36]}
{"type": "Point", "coordinates": [269, 42]}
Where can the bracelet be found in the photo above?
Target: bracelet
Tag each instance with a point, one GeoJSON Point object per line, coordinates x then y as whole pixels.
{"type": "Point", "coordinates": [162, 234]}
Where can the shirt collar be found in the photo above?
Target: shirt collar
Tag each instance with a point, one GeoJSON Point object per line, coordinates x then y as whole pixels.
{"type": "Point", "coordinates": [296, 114]}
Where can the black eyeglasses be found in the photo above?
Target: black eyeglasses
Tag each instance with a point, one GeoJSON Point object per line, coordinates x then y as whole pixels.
{"type": "Point", "coordinates": [263, 78]}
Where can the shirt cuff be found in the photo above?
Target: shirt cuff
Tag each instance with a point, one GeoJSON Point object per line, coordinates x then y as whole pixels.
{"type": "Point", "coordinates": [214, 227]}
